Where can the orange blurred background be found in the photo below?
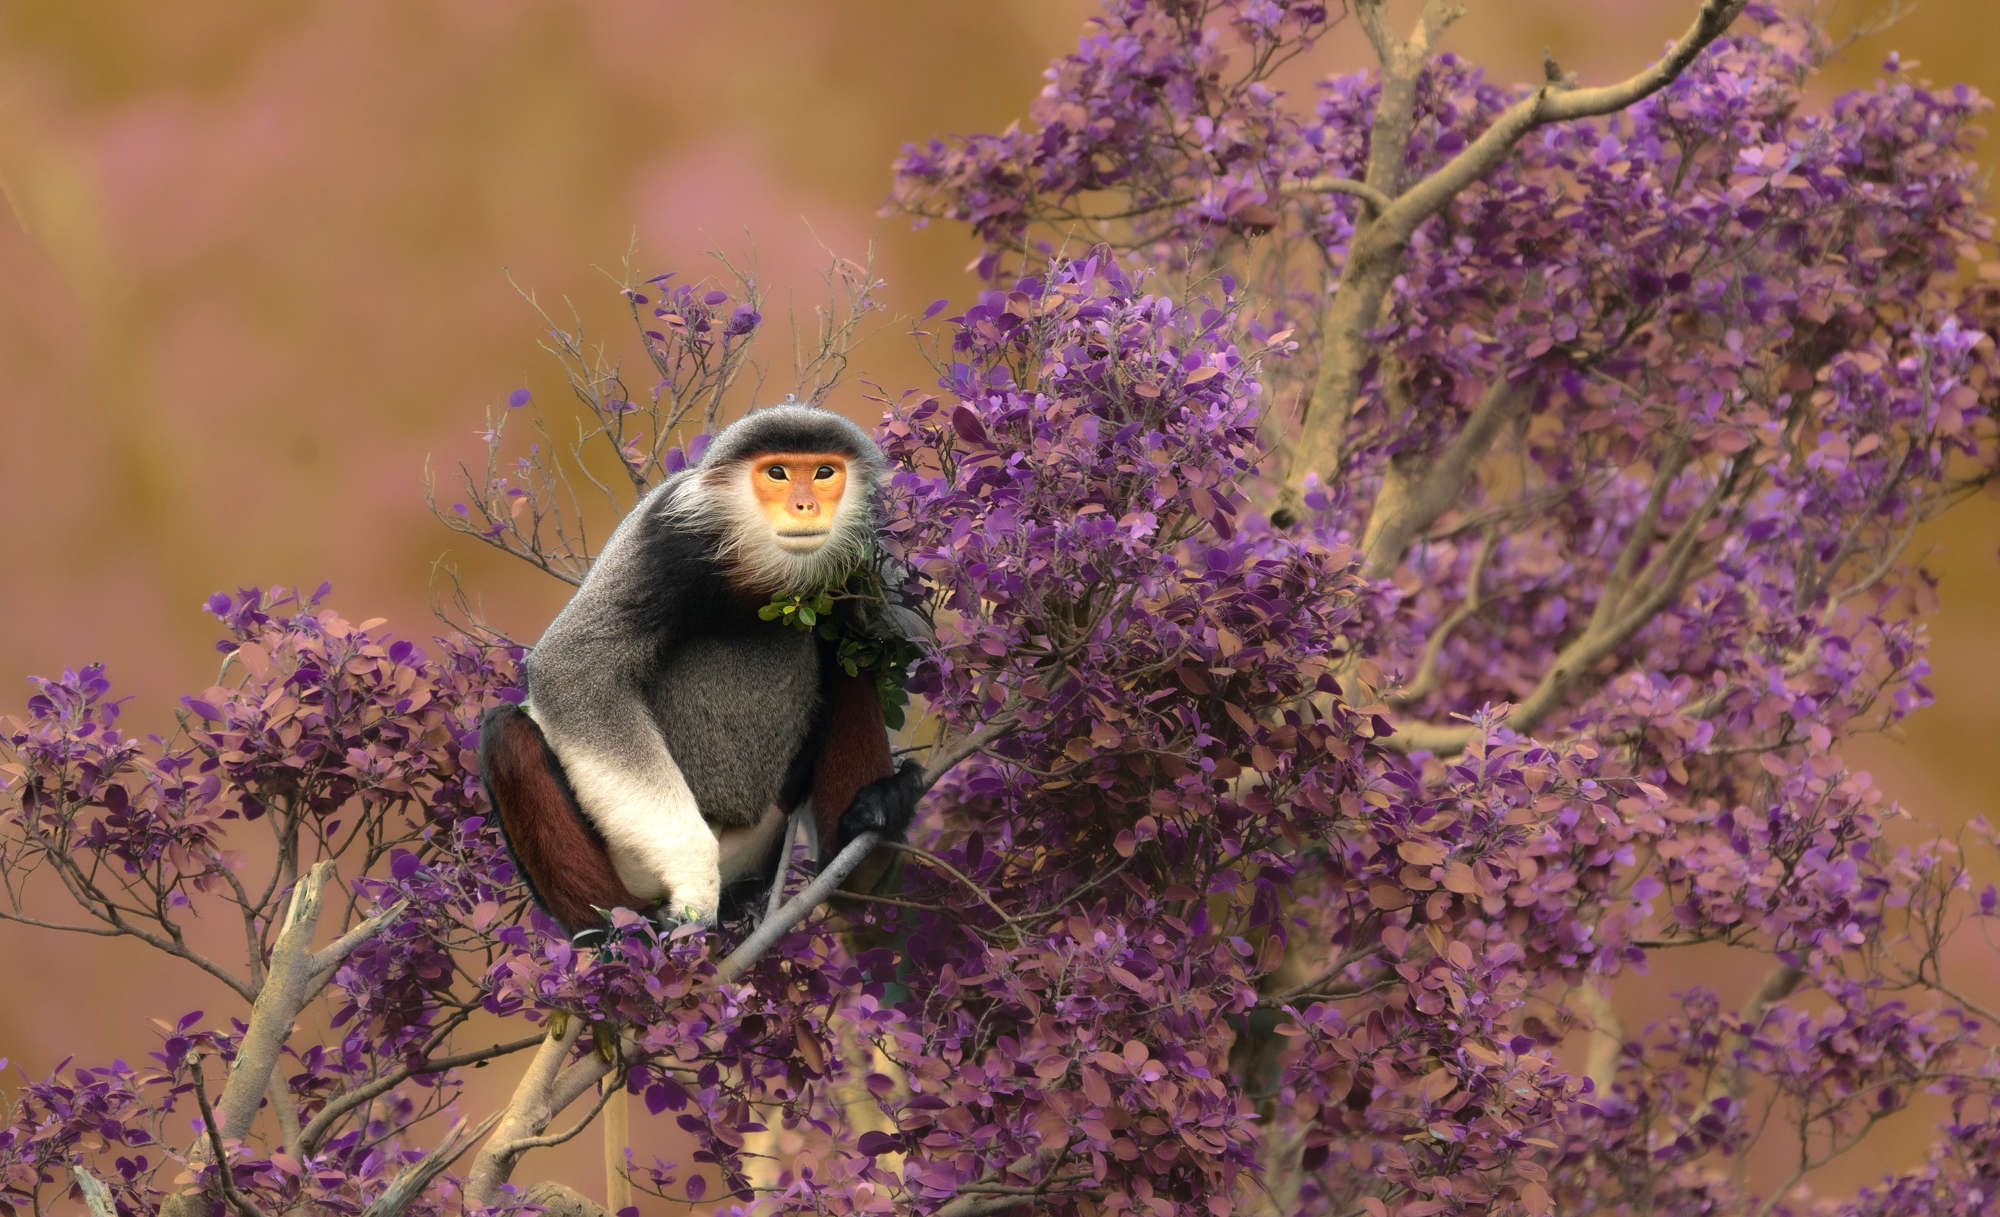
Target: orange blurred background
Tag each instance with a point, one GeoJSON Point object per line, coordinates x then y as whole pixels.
{"type": "Point", "coordinates": [253, 276]}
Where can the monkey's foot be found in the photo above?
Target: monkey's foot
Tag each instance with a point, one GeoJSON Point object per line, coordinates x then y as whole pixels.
{"type": "Point", "coordinates": [668, 918]}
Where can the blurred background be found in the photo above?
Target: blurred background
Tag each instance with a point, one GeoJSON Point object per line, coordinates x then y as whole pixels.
{"type": "Point", "coordinates": [254, 267]}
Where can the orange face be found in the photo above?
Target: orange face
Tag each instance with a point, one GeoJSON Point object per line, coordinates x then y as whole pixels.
{"type": "Point", "coordinates": [799, 492]}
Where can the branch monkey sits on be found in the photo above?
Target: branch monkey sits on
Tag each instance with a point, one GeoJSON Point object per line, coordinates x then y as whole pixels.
{"type": "Point", "coordinates": [668, 728]}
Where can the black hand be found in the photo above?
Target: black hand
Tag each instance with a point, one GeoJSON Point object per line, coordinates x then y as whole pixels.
{"type": "Point", "coordinates": [883, 806]}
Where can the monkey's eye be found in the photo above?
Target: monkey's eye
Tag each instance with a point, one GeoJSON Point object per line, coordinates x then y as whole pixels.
{"type": "Point", "coordinates": [775, 472]}
{"type": "Point", "coordinates": [823, 472]}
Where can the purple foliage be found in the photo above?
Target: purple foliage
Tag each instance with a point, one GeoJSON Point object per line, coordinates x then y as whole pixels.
{"type": "Point", "coordinates": [1299, 863]}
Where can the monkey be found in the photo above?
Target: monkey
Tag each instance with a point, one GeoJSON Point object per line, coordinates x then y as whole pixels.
{"type": "Point", "coordinates": [667, 725]}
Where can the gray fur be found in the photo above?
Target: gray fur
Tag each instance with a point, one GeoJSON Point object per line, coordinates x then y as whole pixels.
{"type": "Point", "coordinates": [592, 651]}
{"type": "Point", "coordinates": [733, 711]}
{"type": "Point", "coordinates": [754, 432]}
{"type": "Point", "coordinates": [645, 717]}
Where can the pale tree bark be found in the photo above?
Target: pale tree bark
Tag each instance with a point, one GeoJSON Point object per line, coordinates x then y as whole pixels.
{"type": "Point", "coordinates": [294, 976]}
{"type": "Point", "coordinates": [1383, 229]}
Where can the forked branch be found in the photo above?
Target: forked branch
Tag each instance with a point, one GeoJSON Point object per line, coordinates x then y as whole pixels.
{"type": "Point", "coordinates": [1375, 254]}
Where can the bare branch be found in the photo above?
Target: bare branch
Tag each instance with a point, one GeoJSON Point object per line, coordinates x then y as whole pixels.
{"type": "Point", "coordinates": [560, 1200]}
{"type": "Point", "coordinates": [337, 1107]}
{"type": "Point", "coordinates": [218, 1154]}
{"type": "Point", "coordinates": [1375, 253]}
{"type": "Point", "coordinates": [526, 1114]}
{"type": "Point", "coordinates": [1607, 1036]}
{"type": "Point", "coordinates": [278, 1094]}
{"type": "Point", "coordinates": [1375, 24]}
{"type": "Point", "coordinates": [330, 956]}
{"type": "Point", "coordinates": [795, 910]}
{"type": "Point", "coordinates": [1553, 103]}
{"type": "Point", "coordinates": [616, 1103]}
{"type": "Point", "coordinates": [411, 1183]}
{"type": "Point", "coordinates": [1401, 510]}
{"type": "Point", "coordinates": [1377, 201]}
{"type": "Point", "coordinates": [96, 1196]}
{"type": "Point", "coordinates": [1662, 579]}
{"type": "Point", "coordinates": [546, 1140]}
{"type": "Point", "coordinates": [286, 989]}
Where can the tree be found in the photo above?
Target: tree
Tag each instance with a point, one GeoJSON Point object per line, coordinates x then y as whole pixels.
{"type": "Point", "coordinates": [1400, 560]}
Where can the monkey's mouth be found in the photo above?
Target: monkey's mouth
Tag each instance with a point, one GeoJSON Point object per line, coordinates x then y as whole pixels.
{"type": "Point", "coordinates": [808, 539]}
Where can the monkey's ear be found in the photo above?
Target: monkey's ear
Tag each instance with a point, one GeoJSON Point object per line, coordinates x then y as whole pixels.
{"type": "Point", "coordinates": [560, 855]}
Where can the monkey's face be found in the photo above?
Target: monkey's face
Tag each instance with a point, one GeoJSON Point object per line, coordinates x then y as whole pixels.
{"type": "Point", "coordinates": [800, 493]}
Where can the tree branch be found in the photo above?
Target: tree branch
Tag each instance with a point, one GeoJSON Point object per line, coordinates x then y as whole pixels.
{"type": "Point", "coordinates": [1732, 1079]}
{"type": "Point", "coordinates": [617, 1108]}
{"type": "Point", "coordinates": [218, 1153]}
{"type": "Point", "coordinates": [1612, 598]}
{"type": "Point", "coordinates": [951, 751]}
{"type": "Point", "coordinates": [1425, 680]}
{"type": "Point", "coordinates": [1401, 511]}
{"type": "Point", "coordinates": [1375, 253]}
{"type": "Point", "coordinates": [412, 1181]}
{"type": "Point", "coordinates": [1376, 200]}
{"type": "Point", "coordinates": [545, 1091]}
{"type": "Point", "coordinates": [96, 1196]}
{"type": "Point", "coordinates": [525, 1115]}
{"type": "Point", "coordinates": [278, 1093]}
{"type": "Point", "coordinates": [954, 872]}
{"type": "Point", "coordinates": [985, 1194]}
{"type": "Point", "coordinates": [546, 1140]}
{"type": "Point", "coordinates": [286, 989]}
{"type": "Point", "coordinates": [1553, 103]}
{"type": "Point", "coordinates": [795, 910]}
{"type": "Point", "coordinates": [560, 1200]}
{"type": "Point", "coordinates": [1662, 579]}
{"type": "Point", "coordinates": [323, 1122]}
{"type": "Point", "coordinates": [329, 957]}
{"type": "Point", "coordinates": [1607, 1036]}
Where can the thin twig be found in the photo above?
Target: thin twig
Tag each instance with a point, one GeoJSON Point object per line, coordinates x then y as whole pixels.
{"type": "Point", "coordinates": [950, 752]}
{"type": "Point", "coordinates": [338, 1106]}
{"type": "Point", "coordinates": [1777, 986]}
{"type": "Point", "coordinates": [776, 896]}
{"type": "Point", "coordinates": [220, 1155]}
{"type": "Point", "coordinates": [954, 872]}
{"type": "Point", "coordinates": [1607, 1037]}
